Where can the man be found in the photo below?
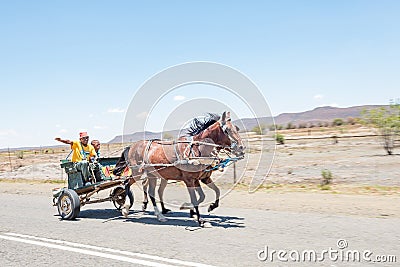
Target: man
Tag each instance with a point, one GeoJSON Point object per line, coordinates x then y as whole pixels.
{"type": "Point", "coordinates": [82, 153]}
{"type": "Point", "coordinates": [98, 167]}
{"type": "Point", "coordinates": [96, 145]}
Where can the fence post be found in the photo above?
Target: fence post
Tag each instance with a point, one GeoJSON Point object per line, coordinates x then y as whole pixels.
{"type": "Point", "coordinates": [234, 173]}
{"type": "Point", "coordinates": [9, 158]}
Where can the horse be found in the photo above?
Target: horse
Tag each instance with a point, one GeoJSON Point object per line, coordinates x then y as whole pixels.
{"type": "Point", "coordinates": [214, 132]}
{"type": "Point", "coordinates": [202, 150]}
{"type": "Point", "coordinates": [163, 184]}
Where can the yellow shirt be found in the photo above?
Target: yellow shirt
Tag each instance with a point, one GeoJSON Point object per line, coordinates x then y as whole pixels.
{"type": "Point", "coordinates": [81, 152]}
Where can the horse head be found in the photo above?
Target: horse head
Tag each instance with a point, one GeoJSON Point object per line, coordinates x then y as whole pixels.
{"type": "Point", "coordinates": [231, 132]}
{"type": "Point", "coordinates": [220, 130]}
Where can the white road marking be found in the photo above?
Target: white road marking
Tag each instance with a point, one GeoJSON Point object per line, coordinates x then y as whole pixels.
{"type": "Point", "coordinates": [88, 249]}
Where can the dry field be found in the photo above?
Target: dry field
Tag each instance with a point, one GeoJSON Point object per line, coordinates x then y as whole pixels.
{"type": "Point", "coordinates": [366, 182]}
{"type": "Point", "coordinates": [357, 161]}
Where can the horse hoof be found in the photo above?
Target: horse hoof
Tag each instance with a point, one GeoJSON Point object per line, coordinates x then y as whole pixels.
{"type": "Point", "coordinates": [201, 223]}
{"type": "Point", "coordinates": [192, 214]}
{"type": "Point", "coordinates": [212, 207]}
{"type": "Point", "coordinates": [165, 211]}
{"type": "Point", "coordinates": [144, 206]}
{"type": "Point", "coordinates": [161, 219]}
{"type": "Point", "coordinates": [207, 225]}
{"type": "Point", "coordinates": [125, 213]}
{"type": "Point", "coordinates": [186, 206]}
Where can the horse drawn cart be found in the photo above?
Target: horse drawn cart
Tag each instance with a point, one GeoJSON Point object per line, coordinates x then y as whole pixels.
{"type": "Point", "coordinates": [70, 199]}
{"type": "Point", "coordinates": [190, 159]}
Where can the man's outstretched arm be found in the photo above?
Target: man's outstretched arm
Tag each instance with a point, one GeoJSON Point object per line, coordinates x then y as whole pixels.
{"type": "Point", "coordinates": [65, 141]}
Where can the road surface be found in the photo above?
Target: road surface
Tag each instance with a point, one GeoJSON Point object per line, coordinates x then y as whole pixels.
{"type": "Point", "coordinates": [32, 234]}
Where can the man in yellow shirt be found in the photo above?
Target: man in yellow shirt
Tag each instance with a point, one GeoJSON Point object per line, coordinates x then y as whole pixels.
{"type": "Point", "coordinates": [82, 154]}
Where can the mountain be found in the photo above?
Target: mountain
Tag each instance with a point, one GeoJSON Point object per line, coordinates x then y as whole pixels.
{"type": "Point", "coordinates": [315, 116]}
{"type": "Point", "coordinates": [143, 135]}
{"type": "Point", "coordinates": [322, 114]}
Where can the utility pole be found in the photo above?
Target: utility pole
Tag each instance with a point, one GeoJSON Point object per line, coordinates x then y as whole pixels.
{"type": "Point", "coordinates": [9, 158]}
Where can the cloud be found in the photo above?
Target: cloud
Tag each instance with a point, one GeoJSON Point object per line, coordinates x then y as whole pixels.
{"type": "Point", "coordinates": [318, 97]}
{"type": "Point", "coordinates": [99, 127]}
{"type": "Point", "coordinates": [179, 98]}
{"type": "Point", "coordinates": [142, 115]}
{"type": "Point", "coordinates": [63, 131]}
{"type": "Point", "coordinates": [115, 110]}
{"type": "Point", "coordinates": [8, 132]}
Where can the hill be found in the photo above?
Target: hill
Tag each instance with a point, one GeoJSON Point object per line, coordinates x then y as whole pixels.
{"type": "Point", "coordinates": [315, 116]}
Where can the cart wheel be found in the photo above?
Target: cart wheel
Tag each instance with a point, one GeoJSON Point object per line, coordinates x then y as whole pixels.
{"type": "Point", "coordinates": [69, 205]}
{"type": "Point", "coordinates": [118, 197]}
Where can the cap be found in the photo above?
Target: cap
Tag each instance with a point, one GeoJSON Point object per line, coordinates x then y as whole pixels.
{"type": "Point", "coordinates": [83, 134]}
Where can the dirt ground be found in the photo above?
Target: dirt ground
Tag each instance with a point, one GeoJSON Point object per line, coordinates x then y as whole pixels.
{"type": "Point", "coordinates": [366, 182]}
{"type": "Point", "coordinates": [359, 161]}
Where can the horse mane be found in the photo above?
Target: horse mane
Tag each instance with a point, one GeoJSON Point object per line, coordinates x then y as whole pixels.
{"type": "Point", "coordinates": [198, 125]}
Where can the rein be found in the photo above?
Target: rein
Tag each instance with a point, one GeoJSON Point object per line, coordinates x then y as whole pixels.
{"type": "Point", "coordinates": [160, 142]}
{"type": "Point", "coordinates": [221, 162]}
{"type": "Point", "coordinates": [224, 163]}
{"type": "Point", "coordinates": [185, 155]}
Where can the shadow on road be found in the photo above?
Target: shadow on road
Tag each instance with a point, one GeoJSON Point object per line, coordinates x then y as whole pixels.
{"type": "Point", "coordinates": [175, 218]}
{"type": "Point", "coordinates": [379, 155]}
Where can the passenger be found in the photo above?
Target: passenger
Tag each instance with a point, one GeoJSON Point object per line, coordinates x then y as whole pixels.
{"type": "Point", "coordinates": [98, 168]}
{"type": "Point", "coordinates": [96, 144]}
{"type": "Point", "coordinates": [82, 154]}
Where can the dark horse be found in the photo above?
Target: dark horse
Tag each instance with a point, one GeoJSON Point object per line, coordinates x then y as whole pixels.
{"type": "Point", "coordinates": [217, 131]}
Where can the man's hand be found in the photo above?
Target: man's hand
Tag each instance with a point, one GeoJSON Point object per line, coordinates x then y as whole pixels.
{"type": "Point", "coordinates": [68, 142]}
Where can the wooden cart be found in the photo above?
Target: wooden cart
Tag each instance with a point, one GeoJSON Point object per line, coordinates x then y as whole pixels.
{"type": "Point", "coordinates": [70, 199]}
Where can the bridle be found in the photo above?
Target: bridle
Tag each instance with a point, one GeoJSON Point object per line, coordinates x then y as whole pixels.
{"type": "Point", "coordinates": [228, 132]}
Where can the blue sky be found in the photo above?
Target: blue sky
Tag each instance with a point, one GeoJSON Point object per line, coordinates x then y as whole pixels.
{"type": "Point", "coordinates": [72, 65]}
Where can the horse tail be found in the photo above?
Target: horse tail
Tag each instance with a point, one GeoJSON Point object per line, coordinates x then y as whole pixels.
{"type": "Point", "coordinates": [122, 162]}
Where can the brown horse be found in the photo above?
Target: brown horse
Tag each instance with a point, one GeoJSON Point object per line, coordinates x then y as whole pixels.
{"type": "Point", "coordinates": [155, 159]}
{"type": "Point", "coordinates": [202, 150]}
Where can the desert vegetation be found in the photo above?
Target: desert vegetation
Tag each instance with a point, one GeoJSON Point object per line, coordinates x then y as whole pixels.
{"type": "Point", "coordinates": [386, 121]}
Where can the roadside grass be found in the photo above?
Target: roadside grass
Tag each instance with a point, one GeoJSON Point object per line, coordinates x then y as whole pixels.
{"type": "Point", "coordinates": [334, 188]}
{"type": "Point", "coordinates": [326, 189]}
{"type": "Point", "coordinates": [31, 181]}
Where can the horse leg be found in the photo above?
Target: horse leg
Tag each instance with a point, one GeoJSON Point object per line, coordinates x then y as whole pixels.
{"type": "Point", "coordinates": [212, 186]}
{"type": "Point", "coordinates": [145, 184]}
{"type": "Point", "coordinates": [161, 189]}
{"type": "Point", "coordinates": [201, 194]}
{"type": "Point", "coordinates": [152, 191]}
{"type": "Point", "coordinates": [193, 199]}
{"type": "Point", "coordinates": [128, 197]}
{"type": "Point", "coordinates": [200, 191]}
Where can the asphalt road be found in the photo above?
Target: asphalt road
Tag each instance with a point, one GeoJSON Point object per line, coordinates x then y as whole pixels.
{"type": "Point", "coordinates": [32, 234]}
